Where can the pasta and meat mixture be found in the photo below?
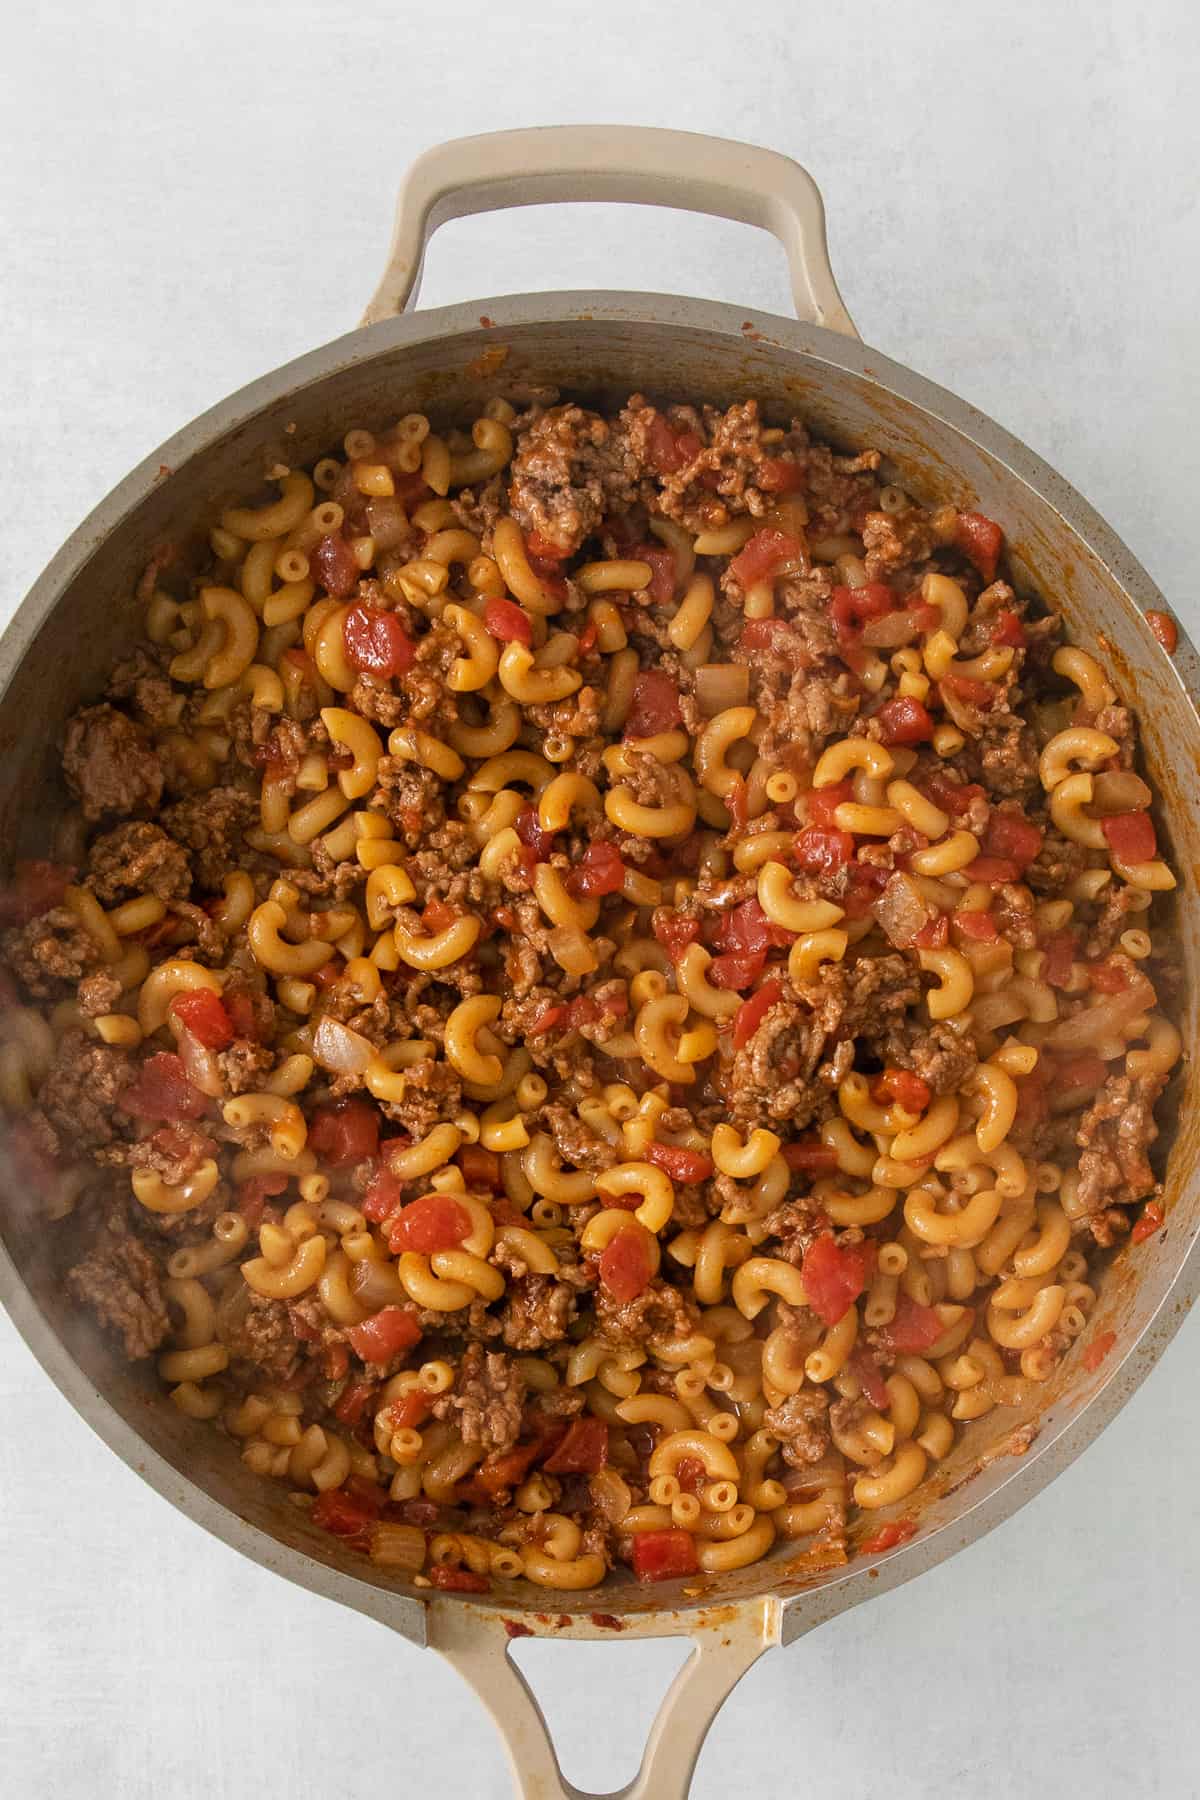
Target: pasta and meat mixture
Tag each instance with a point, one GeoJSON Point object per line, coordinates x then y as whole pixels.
{"type": "Point", "coordinates": [596, 998]}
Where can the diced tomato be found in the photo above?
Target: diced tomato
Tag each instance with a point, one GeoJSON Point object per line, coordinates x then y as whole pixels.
{"type": "Point", "coordinates": [383, 1198]}
{"type": "Point", "coordinates": [954, 797]}
{"type": "Point", "coordinates": [437, 914]}
{"type": "Point", "coordinates": [993, 871]}
{"type": "Point", "coordinates": [345, 1131]}
{"type": "Point", "coordinates": [625, 1264]}
{"type": "Point", "coordinates": [434, 1222]}
{"type": "Point", "coordinates": [549, 1019]}
{"type": "Point", "coordinates": [345, 1514]}
{"type": "Point", "coordinates": [661, 585]}
{"type": "Point", "coordinates": [507, 622]}
{"type": "Point", "coordinates": [870, 1377]}
{"type": "Point", "coordinates": [253, 1194]}
{"type": "Point", "coordinates": [1107, 977]}
{"type": "Point", "coordinates": [809, 1156]}
{"type": "Point", "coordinates": [887, 1536]}
{"type": "Point", "coordinates": [547, 571]}
{"type": "Point", "coordinates": [376, 642]}
{"type": "Point", "coordinates": [980, 694]}
{"type": "Point", "coordinates": [900, 1087]}
{"type": "Point", "coordinates": [600, 872]}
{"type": "Point", "coordinates": [737, 800]}
{"type": "Point", "coordinates": [670, 450]}
{"type": "Point", "coordinates": [934, 934]}
{"type": "Point", "coordinates": [546, 549]}
{"type": "Point", "coordinates": [480, 1167]}
{"type": "Point", "coordinates": [202, 1013]}
{"type": "Point", "coordinates": [1058, 956]}
{"type": "Point", "coordinates": [980, 540]}
{"type": "Point", "coordinates": [36, 887]}
{"type": "Point", "coordinates": [583, 1451]}
{"type": "Point", "coordinates": [1165, 630]}
{"type": "Point", "coordinates": [412, 1409]}
{"type": "Point", "coordinates": [822, 803]}
{"type": "Point", "coordinates": [655, 705]}
{"type": "Point", "coordinates": [680, 1163]}
{"type": "Point", "coordinates": [691, 1474]}
{"type": "Point", "coordinates": [587, 638]}
{"type": "Point", "coordinates": [674, 931]}
{"type": "Point", "coordinates": [1013, 838]}
{"type": "Point", "coordinates": [332, 564]}
{"type": "Point", "coordinates": [779, 475]}
{"type": "Point", "coordinates": [329, 974]}
{"type": "Point", "coordinates": [1131, 836]}
{"type": "Point", "coordinates": [1007, 629]}
{"type": "Point", "coordinates": [1151, 1221]}
{"type": "Point", "coordinates": [834, 1275]}
{"type": "Point", "coordinates": [820, 851]}
{"type": "Point", "coordinates": [335, 1362]}
{"type": "Point", "coordinates": [737, 970]}
{"type": "Point", "coordinates": [746, 929]}
{"type": "Point", "coordinates": [866, 884]}
{"type": "Point", "coordinates": [508, 1469]}
{"type": "Point", "coordinates": [163, 1091]}
{"type": "Point", "coordinates": [905, 721]}
{"type": "Point", "coordinates": [979, 926]}
{"type": "Point", "coordinates": [764, 555]}
{"type": "Point", "coordinates": [760, 634]}
{"type": "Point", "coordinates": [1085, 1071]}
{"type": "Point", "coordinates": [458, 1581]}
{"type": "Point", "coordinates": [913, 1328]}
{"type": "Point", "coordinates": [751, 1013]}
{"type": "Point", "coordinates": [664, 1555]}
{"type": "Point", "coordinates": [533, 835]}
{"type": "Point", "coordinates": [385, 1334]}
{"type": "Point", "coordinates": [1098, 1349]}
{"type": "Point", "coordinates": [352, 1402]}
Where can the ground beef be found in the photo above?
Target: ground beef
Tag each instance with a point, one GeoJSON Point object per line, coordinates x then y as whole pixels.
{"type": "Point", "coordinates": [258, 1333]}
{"type": "Point", "coordinates": [892, 539]}
{"type": "Point", "coordinates": [569, 468]}
{"type": "Point", "coordinates": [536, 1311]}
{"type": "Point", "coordinates": [142, 681]}
{"type": "Point", "coordinates": [137, 858]}
{"type": "Point", "coordinates": [780, 1073]}
{"type": "Point", "coordinates": [79, 1095]}
{"type": "Point", "coordinates": [799, 1422]}
{"type": "Point", "coordinates": [98, 994]}
{"type": "Point", "coordinates": [122, 1283]}
{"type": "Point", "coordinates": [660, 1311]}
{"type": "Point", "coordinates": [174, 1152]}
{"type": "Point", "coordinates": [211, 826]}
{"type": "Point", "coordinates": [943, 1055]}
{"type": "Point", "coordinates": [791, 1228]}
{"type": "Point", "coordinates": [110, 763]}
{"type": "Point", "coordinates": [244, 1065]}
{"type": "Point", "coordinates": [432, 1092]}
{"type": "Point", "coordinates": [49, 950]}
{"type": "Point", "coordinates": [574, 1142]}
{"type": "Point", "coordinates": [1114, 1137]}
{"type": "Point", "coordinates": [487, 1399]}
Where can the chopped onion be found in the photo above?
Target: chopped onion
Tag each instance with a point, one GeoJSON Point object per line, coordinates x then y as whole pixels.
{"type": "Point", "coordinates": [376, 1284]}
{"type": "Point", "coordinates": [199, 1064]}
{"type": "Point", "coordinates": [1101, 1019]}
{"type": "Point", "coordinates": [888, 632]}
{"type": "Point", "coordinates": [1118, 791]}
{"type": "Point", "coordinates": [340, 1050]}
{"type": "Point", "coordinates": [902, 910]}
{"type": "Point", "coordinates": [719, 685]}
{"type": "Point", "coordinates": [572, 950]}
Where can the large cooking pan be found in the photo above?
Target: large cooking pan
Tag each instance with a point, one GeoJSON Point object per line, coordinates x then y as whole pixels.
{"type": "Point", "coordinates": [80, 615]}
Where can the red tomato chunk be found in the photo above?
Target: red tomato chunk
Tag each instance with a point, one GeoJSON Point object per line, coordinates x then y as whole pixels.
{"type": "Point", "coordinates": [203, 1014]}
{"type": "Point", "coordinates": [980, 540]}
{"type": "Point", "coordinates": [345, 1131]}
{"type": "Point", "coordinates": [808, 1156]}
{"type": "Point", "coordinates": [901, 1087]}
{"type": "Point", "coordinates": [583, 1451]}
{"type": "Point", "coordinates": [1152, 1219]}
{"type": "Point", "coordinates": [895, 1531]}
{"type": "Point", "coordinates": [458, 1581]}
{"type": "Point", "coordinates": [434, 1222]}
{"type": "Point", "coordinates": [163, 1091]}
{"type": "Point", "coordinates": [385, 1334]}
{"type": "Point", "coordinates": [625, 1264]}
{"type": "Point", "coordinates": [751, 1013]}
{"type": "Point", "coordinates": [601, 872]}
{"type": "Point", "coordinates": [345, 1515]}
{"type": "Point", "coordinates": [332, 564]}
{"type": "Point", "coordinates": [655, 705]}
{"type": "Point", "coordinates": [905, 721]}
{"type": "Point", "coordinates": [834, 1275]}
{"type": "Point", "coordinates": [674, 931]}
{"type": "Point", "coordinates": [681, 1164]}
{"type": "Point", "coordinates": [766, 553]}
{"type": "Point", "coordinates": [507, 622]}
{"type": "Point", "coordinates": [1131, 836]}
{"type": "Point", "coordinates": [914, 1327]}
{"type": "Point", "coordinates": [376, 642]}
{"type": "Point", "coordinates": [664, 1555]}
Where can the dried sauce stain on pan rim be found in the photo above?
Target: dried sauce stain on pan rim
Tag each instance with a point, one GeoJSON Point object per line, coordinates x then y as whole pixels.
{"type": "Point", "coordinates": [896, 394]}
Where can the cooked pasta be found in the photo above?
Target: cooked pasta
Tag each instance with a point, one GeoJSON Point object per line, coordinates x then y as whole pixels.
{"type": "Point", "coordinates": [608, 990]}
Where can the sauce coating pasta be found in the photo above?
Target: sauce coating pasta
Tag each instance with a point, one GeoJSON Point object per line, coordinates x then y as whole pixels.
{"type": "Point", "coordinates": [598, 992]}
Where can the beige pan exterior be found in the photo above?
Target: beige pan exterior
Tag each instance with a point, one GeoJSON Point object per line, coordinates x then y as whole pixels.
{"type": "Point", "coordinates": [81, 614]}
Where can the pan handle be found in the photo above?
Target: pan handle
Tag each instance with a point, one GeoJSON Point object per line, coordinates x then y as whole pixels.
{"type": "Point", "coordinates": [476, 1645]}
{"type": "Point", "coordinates": [643, 164]}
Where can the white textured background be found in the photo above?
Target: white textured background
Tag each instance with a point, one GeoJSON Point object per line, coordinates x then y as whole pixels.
{"type": "Point", "coordinates": [193, 194]}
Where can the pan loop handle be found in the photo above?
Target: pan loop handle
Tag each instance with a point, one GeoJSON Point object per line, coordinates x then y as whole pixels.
{"type": "Point", "coordinates": [476, 1644]}
{"type": "Point", "coordinates": [640, 164]}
